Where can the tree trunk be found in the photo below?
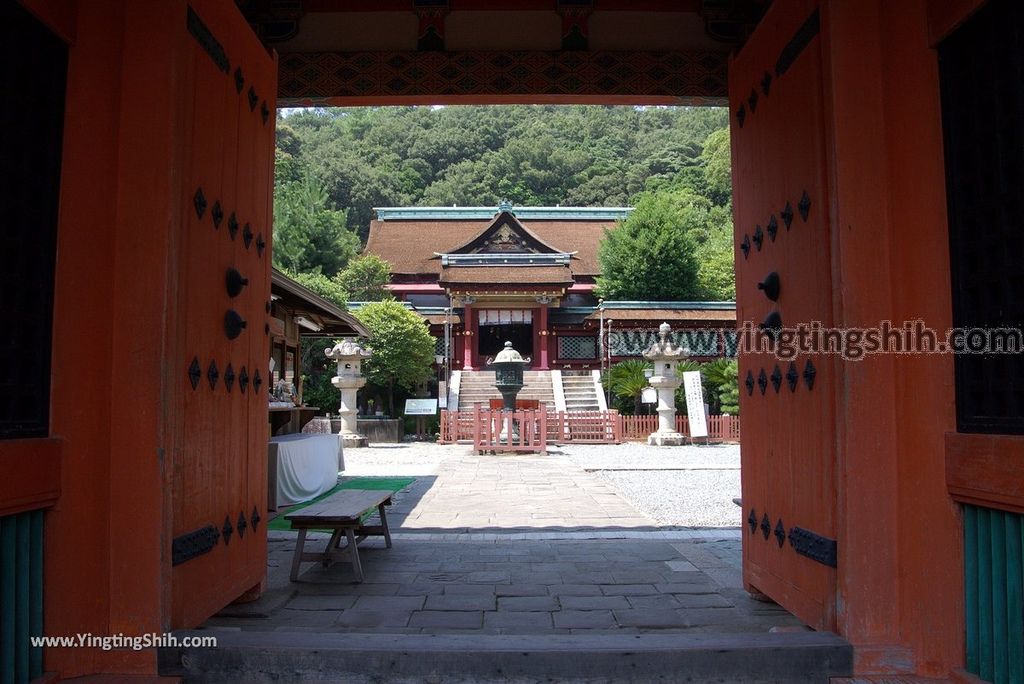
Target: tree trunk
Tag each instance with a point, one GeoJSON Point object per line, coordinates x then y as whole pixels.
{"type": "Point", "coordinates": [391, 398]}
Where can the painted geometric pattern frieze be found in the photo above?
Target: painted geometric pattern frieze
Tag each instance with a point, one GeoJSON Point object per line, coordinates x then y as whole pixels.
{"type": "Point", "coordinates": [577, 347]}
{"type": "Point", "coordinates": [321, 77]}
{"type": "Point", "coordinates": [699, 342]}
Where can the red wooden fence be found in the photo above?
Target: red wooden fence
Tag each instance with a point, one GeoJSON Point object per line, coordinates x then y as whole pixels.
{"type": "Point", "coordinates": [593, 427]}
{"type": "Point", "coordinates": [720, 428]}
{"type": "Point", "coordinates": [509, 430]}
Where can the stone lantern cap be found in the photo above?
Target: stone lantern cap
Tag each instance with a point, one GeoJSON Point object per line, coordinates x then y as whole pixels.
{"type": "Point", "coordinates": [347, 347]}
{"type": "Point", "coordinates": [509, 355]}
{"type": "Point", "coordinates": [664, 349]}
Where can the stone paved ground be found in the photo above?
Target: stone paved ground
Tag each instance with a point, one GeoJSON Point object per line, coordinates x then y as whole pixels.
{"type": "Point", "coordinates": [525, 586]}
{"type": "Point", "coordinates": [519, 545]}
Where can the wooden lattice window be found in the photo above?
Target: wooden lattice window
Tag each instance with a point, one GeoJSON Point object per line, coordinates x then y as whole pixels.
{"type": "Point", "coordinates": [32, 102]}
{"type": "Point", "coordinates": [577, 347]}
{"type": "Point", "coordinates": [983, 123]}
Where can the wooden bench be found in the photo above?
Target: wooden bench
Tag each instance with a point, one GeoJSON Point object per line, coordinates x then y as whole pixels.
{"type": "Point", "coordinates": [341, 512]}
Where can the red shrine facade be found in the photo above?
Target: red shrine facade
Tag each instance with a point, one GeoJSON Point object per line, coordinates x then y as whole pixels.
{"type": "Point", "coordinates": [482, 276]}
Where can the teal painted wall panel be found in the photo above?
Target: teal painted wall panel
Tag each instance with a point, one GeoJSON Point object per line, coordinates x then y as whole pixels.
{"type": "Point", "coordinates": [21, 596]}
{"type": "Point", "coordinates": [994, 599]}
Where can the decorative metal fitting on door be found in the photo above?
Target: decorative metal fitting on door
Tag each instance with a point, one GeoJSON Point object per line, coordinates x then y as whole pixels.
{"type": "Point", "coordinates": [809, 373]}
{"type": "Point", "coordinates": [194, 373]}
{"type": "Point", "coordinates": [234, 282]}
{"type": "Point", "coordinates": [257, 381]}
{"type": "Point", "coordinates": [260, 244]}
{"type": "Point", "coordinates": [766, 83]}
{"type": "Point", "coordinates": [752, 520]}
{"type": "Point", "coordinates": [787, 214]}
{"type": "Point", "coordinates": [232, 225]}
{"type": "Point", "coordinates": [199, 202]}
{"type": "Point", "coordinates": [780, 533]}
{"type": "Point", "coordinates": [264, 112]}
{"type": "Point", "coordinates": [253, 99]}
{"type": "Point", "coordinates": [772, 325]}
{"type": "Point", "coordinates": [758, 237]}
{"type": "Point", "coordinates": [814, 546]}
{"type": "Point", "coordinates": [255, 518]}
{"type": "Point", "coordinates": [745, 246]}
{"type": "Point", "coordinates": [226, 531]}
{"type": "Point", "coordinates": [762, 381]}
{"type": "Point", "coordinates": [212, 374]}
{"type": "Point", "coordinates": [752, 100]}
{"type": "Point", "coordinates": [243, 380]}
{"type": "Point", "coordinates": [239, 80]}
{"type": "Point", "coordinates": [749, 382]}
{"type": "Point", "coordinates": [770, 286]}
{"type": "Point", "coordinates": [776, 378]}
{"type": "Point", "coordinates": [217, 214]}
{"type": "Point", "coordinates": [792, 376]}
{"type": "Point", "coordinates": [234, 324]}
{"type": "Point", "coordinates": [195, 543]}
{"type": "Point", "coordinates": [804, 206]}
{"type": "Point", "coordinates": [229, 377]}
{"type": "Point", "coordinates": [247, 235]}
{"type": "Point", "coordinates": [741, 115]}
{"type": "Point", "coordinates": [241, 525]}
{"type": "Point", "coordinates": [773, 227]}
{"type": "Point", "coordinates": [766, 526]}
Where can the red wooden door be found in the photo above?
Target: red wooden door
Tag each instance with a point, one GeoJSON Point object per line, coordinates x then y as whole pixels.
{"type": "Point", "coordinates": [219, 479]}
{"type": "Point", "coordinates": [782, 227]}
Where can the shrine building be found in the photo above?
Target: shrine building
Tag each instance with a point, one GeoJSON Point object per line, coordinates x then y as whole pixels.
{"type": "Point", "coordinates": [528, 275]}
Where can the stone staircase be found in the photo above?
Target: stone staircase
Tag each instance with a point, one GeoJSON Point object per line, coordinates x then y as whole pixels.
{"type": "Point", "coordinates": [478, 386]}
{"type": "Point", "coordinates": [580, 392]}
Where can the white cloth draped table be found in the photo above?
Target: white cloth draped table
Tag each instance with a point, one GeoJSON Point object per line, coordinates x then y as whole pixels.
{"type": "Point", "coordinates": [302, 467]}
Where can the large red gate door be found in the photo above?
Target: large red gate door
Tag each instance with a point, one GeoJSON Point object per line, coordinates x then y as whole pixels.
{"type": "Point", "coordinates": [783, 279]}
{"type": "Point", "coordinates": [218, 551]}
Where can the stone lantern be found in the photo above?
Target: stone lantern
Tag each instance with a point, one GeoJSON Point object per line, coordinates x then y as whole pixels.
{"type": "Point", "coordinates": [666, 357]}
{"type": "Point", "coordinates": [508, 378]}
{"type": "Point", "coordinates": [349, 355]}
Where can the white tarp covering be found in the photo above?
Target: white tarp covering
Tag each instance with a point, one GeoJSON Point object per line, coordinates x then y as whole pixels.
{"type": "Point", "coordinates": [307, 466]}
{"type": "Point", "coordinates": [505, 316]}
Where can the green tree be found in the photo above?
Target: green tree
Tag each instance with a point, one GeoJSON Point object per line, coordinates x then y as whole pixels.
{"type": "Point", "coordinates": [650, 255]}
{"type": "Point", "coordinates": [718, 167]}
{"type": "Point", "coordinates": [627, 380]}
{"type": "Point", "coordinates": [403, 349]}
{"type": "Point", "coordinates": [308, 235]}
{"type": "Point", "coordinates": [328, 288]}
{"type": "Point", "coordinates": [365, 279]}
{"type": "Point", "coordinates": [721, 378]}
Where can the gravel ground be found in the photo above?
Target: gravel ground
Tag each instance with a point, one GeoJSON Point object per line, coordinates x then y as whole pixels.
{"type": "Point", "coordinates": [637, 456]}
{"type": "Point", "coordinates": [688, 486]}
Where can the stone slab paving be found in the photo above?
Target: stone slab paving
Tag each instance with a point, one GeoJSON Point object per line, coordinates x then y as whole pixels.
{"type": "Point", "coordinates": [459, 491]}
{"type": "Point", "coordinates": [517, 544]}
{"type": "Point", "coordinates": [563, 586]}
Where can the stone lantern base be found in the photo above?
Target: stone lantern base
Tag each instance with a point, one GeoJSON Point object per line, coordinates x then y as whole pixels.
{"type": "Point", "coordinates": [352, 441]}
{"type": "Point", "coordinates": [666, 439]}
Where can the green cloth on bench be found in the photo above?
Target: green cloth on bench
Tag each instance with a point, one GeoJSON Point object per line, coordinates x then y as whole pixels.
{"type": "Point", "coordinates": [392, 484]}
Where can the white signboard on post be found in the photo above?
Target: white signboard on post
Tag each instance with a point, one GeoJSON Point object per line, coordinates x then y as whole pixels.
{"type": "Point", "coordinates": [442, 394]}
{"type": "Point", "coordinates": [695, 404]}
{"type": "Point", "coordinates": [420, 407]}
{"type": "Point", "coordinates": [649, 395]}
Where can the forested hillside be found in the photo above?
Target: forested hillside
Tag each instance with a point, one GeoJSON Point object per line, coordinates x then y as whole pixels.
{"type": "Point", "coordinates": [335, 165]}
